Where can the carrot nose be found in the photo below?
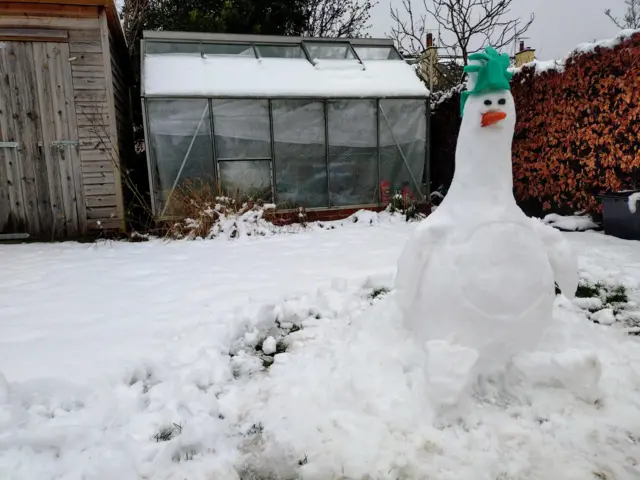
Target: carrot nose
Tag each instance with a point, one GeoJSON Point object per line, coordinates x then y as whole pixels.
{"type": "Point", "coordinates": [492, 117]}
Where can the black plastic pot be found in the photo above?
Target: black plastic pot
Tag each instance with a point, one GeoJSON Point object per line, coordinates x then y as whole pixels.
{"type": "Point", "coordinates": [619, 221]}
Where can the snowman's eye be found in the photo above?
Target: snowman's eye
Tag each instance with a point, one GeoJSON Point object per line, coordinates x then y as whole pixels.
{"type": "Point", "coordinates": [502, 101]}
{"type": "Point", "coordinates": [487, 102]}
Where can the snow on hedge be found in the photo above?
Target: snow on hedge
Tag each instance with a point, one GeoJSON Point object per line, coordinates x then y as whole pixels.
{"type": "Point", "coordinates": [542, 66]}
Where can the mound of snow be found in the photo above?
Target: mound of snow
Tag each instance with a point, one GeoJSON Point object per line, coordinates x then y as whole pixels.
{"type": "Point", "coordinates": [574, 223]}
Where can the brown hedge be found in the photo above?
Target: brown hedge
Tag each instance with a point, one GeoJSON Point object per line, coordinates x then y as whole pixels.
{"type": "Point", "coordinates": [578, 131]}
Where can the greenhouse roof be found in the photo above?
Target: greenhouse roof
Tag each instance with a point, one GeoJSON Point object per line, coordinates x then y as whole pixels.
{"type": "Point", "coordinates": [180, 64]}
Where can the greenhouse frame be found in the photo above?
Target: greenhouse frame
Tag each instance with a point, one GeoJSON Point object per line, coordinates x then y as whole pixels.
{"type": "Point", "coordinates": [294, 121]}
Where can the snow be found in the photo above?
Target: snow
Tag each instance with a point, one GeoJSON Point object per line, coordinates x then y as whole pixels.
{"type": "Point", "coordinates": [269, 346]}
{"type": "Point", "coordinates": [571, 223]}
{"type": "Point", "coordinates": [606, 316]}
{"type": "Point", "coordinates": [164, 75]}
{"type": "Point", "coordinates": [105, 346]}
{"type": "Point", "coordinates": [632, 201]}
{"type": "Point", "coordinates": [542, 66]}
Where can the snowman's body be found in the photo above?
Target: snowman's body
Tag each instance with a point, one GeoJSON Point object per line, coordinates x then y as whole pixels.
{"type": "Point", "coordinates": [478, 273]}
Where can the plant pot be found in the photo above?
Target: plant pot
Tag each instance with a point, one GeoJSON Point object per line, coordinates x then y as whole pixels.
{"type": "Point", "coordinates": [618, 219]}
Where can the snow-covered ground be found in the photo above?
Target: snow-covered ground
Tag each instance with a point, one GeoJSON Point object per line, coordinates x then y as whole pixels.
{"type": "Point", "coordinates": [155, 360]}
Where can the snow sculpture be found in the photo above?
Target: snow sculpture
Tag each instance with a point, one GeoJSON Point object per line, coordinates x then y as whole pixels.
{"type": "Point", "coordinates": [478, 274]}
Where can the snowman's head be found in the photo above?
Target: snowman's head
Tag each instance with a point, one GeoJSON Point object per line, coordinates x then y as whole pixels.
{"type": "Point", "coordinates": [491, 111]}
{"type": "Point", "coordinates": [487, 102]}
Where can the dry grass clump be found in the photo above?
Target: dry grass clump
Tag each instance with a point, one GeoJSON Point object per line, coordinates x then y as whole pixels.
{"type": "Point", "coordinates": [204, 211]}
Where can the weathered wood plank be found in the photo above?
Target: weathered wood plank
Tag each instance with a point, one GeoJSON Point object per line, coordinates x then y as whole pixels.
{"type": "Point", "coordinates": [17, 216]}
{"type": "Point", "coordinates": [61, 132]}
{"type": "Point", "coordinates": [104, 166]}
{"type": "Point", "coordinates": [92, 35]}
{"type": "Point", "coordinates": [25, 119]}
{"type": "Point", "coordinates": [94, 155]}
{"type": "Point", "coordinates": [6, 202]}
{"type": "Point", "coordinates": [73, 151]}
{"type": "Point", "coordinates": [88, 83]}
{"type": "Point", "coordinates": [106, 224]}
{"type": "Point", "coordinates": [102, 213]}
{"type": "Point", "coordinates": [47, 124]}
{"type": "Point", "coordinates": [100, 178]}
{"type": "Point", "coordinates": [106, 52]}
{"type": "Point", "coordinates": [40, 10]}
{"type": "Point", "coordinates": [92, 119]}
{"type": "Point", "coordinates": [85, 46]}
{"type": "Point", "coordinates": [94, 190]}
{"type": "Point", "coordinates": [89, 96]}
{"type": "Point", "coordinates": [87, 59]}
{"type": "Point", "coordinates": [90, 72]}
{"type": "Point", "coordinates": [100, 107]}
{"type": "Point", "coordinates": [105, 201]}
{"type": "Point", "coordinates": [32, 35]}
{"type": "Point", "coordinates": [49, 22]}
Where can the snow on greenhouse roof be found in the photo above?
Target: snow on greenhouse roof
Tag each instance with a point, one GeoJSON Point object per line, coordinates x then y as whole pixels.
{"type": "Point", "coordinates": [242, 76]}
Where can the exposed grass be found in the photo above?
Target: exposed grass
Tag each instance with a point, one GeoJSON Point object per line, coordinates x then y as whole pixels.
{"type": "Point", "coordinates": [378, 292]}
{"type": "Point", "coordinates": [167, 433]}
{"type": "Point", "coordinates": [617, 295]}
{"type": "Point", "coordinates": [589, 290]}
{"type": "Point", "coordinates": [613, 297]}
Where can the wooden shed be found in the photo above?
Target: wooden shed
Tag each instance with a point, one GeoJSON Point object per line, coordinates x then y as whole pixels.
{"type": "Point", "coordinates": [65, 118]}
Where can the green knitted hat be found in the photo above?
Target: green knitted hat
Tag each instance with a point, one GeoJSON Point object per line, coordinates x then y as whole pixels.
{"type": "Point", "coordinates": [492, 75]}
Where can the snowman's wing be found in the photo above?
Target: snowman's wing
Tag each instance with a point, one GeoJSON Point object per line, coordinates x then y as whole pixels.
{"type": "Point", "coordinates": [561, 257]}
{"type": "Point", "coordinates": [414, 259]}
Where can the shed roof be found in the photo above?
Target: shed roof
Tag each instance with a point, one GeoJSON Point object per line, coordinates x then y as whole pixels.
{"type": "Point", "coordinates": [52, 7]}
{"type": "Point", "coordinates": [204, 66]}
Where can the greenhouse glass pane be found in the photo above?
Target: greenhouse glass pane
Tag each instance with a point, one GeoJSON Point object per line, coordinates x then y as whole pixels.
{"type": "Point", "coordinates": [180, 137]}
{"type": "Point", "coordinates": [241, 49]}
{"type": "Point", "coordinates": [377, 53]}
{"type": "Point", "coordinates": [329, 51]}
{"type": "Point", "coordinates": [280, 51]}
{"type": "Point", "coordinates": [242, 129]}
{"type": "Point", "coordinates": [353, 153]}
{"type": "Point", "coordinates": [246, 178]}
{"type": "Point", "coordinates": [404, 122]}
{"type": "Point", "coordinates": [300, 153]}
{"type": "Point", "coordinates": [164, 48]}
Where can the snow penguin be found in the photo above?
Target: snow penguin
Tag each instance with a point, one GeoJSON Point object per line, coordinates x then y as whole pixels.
{"type": "Point", "coordinates": [475, 282]}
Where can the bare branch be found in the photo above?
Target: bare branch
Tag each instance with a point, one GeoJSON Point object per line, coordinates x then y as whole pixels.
{"type": "Point", "coordinates": [631, 18]}
{"type": "Point", "coordinates": [462, 25]}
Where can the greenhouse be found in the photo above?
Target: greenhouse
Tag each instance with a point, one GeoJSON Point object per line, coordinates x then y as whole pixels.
{"type": "Point", "coordinates": [298, 122]}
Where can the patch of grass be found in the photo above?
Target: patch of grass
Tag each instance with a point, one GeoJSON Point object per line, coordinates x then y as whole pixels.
{"type": "Point", "coordinates": [378, 292]}
{"type": "Point", "coordinates": [256, 429]}
{"type": "Point", "coordinates": [184, 456]}
{"type": "Point", "coordinates": [617, 295]}
{"type": "Point", "coordinates": [281, 347]}
{"type": "Point", "coordinates": [295, 328]}
{"type": "Point", "coordinates": [167, 433]}
{"type": "Point", "coordinates": [588, 290]}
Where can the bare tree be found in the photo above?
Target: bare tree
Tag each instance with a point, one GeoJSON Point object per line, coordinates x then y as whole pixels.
{"type": "Point", "coordinates": [134, 14]}
{"type": "Point", "coordinates": [464, 26]}
{"type": "Point", "coordinates": [631, 19]}
{"type": "Point", "coordinates": [338, 18]}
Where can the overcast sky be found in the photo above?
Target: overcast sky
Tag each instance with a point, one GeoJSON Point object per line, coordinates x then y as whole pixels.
{"type": "Point", "coordinates": [559, 26]}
